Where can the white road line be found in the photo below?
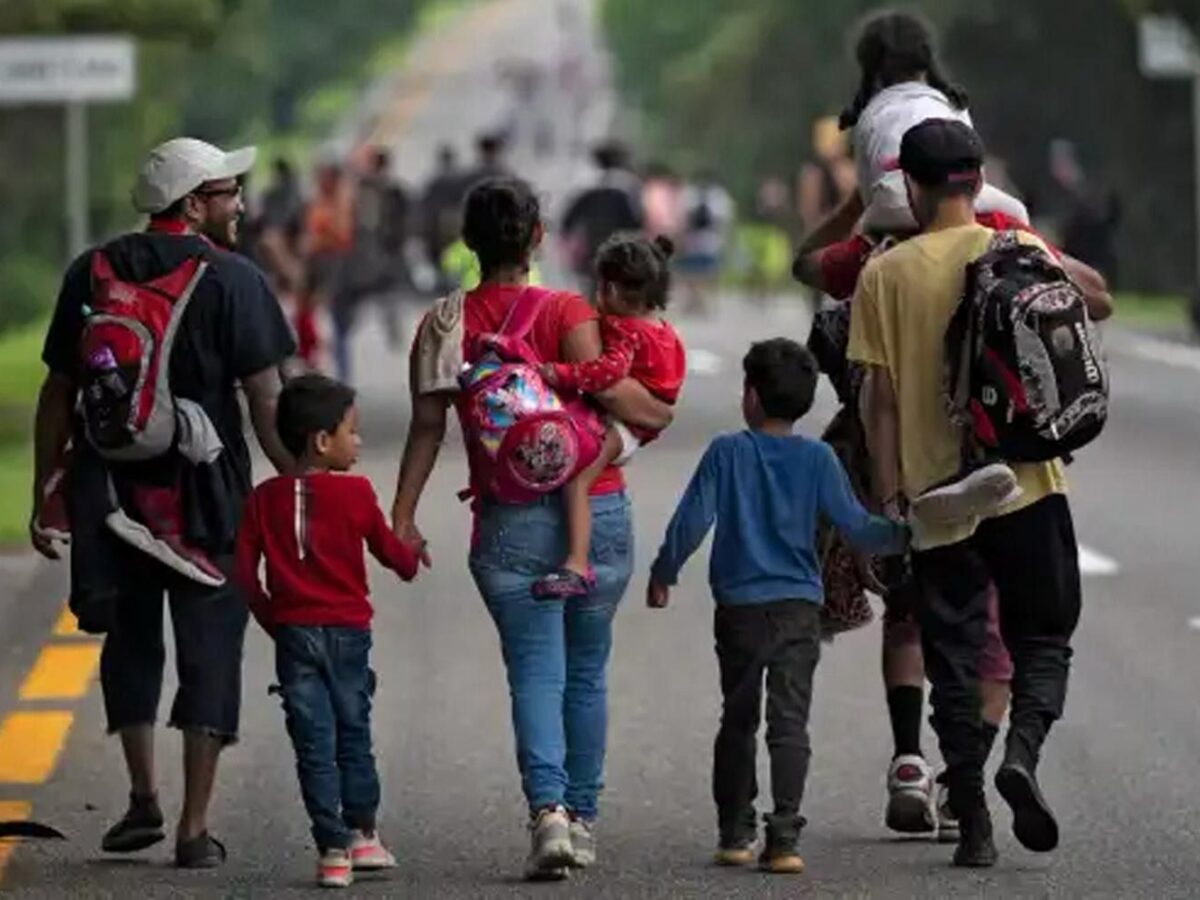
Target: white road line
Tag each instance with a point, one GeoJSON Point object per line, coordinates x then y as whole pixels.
{"type": "Point", "coordinates": [1194, 623]}
{"type": "Point", "coordinates": [703, 362]}
{"type": "Point", "coordinates": [1167, 353]}
{"type": "Point", "coordinates": [1096, 565]}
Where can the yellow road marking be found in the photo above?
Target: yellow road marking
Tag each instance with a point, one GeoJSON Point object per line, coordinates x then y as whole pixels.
{"type": "Point", "coordinates": [11, 811]}
{"type": "Point", "coordinates": [30, 743]}
{"type": "Point", "coordinates": [62, 672]}
{"type": "Point", "coordinates": [67, 625]}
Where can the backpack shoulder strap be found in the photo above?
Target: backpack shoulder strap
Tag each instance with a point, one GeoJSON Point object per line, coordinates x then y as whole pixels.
{"type": "Point", "coordinates": [524, 312]}
{"type": "Point", "coordinates": [101, 268]}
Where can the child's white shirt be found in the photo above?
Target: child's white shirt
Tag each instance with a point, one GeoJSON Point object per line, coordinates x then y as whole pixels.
{"type": "Point", "coordinates": [877, 137]}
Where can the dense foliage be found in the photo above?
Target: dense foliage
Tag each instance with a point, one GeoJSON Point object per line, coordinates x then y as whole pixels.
{"type": "Point", "coordinates": [736, 86]}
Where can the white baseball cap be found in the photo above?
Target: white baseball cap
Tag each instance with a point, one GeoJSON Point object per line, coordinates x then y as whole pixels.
{"type": "Point", "coordinates": [175, 169]}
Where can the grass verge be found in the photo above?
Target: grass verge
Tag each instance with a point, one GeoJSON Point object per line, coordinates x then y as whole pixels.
{"type": "Point", "coordinates": [1152, 312]}
{"type": "Point", "coordinates": [21, 373]}
{"type": "Point", "coordinates": [16, 473]}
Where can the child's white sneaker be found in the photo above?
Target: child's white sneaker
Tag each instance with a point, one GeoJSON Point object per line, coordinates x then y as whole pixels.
{"type": "Point", "coordinates": [368, 854]}
{"type": "Point", "coordinates": [334, 869]}
{"type": "Point", "coordinates": [978, 493]}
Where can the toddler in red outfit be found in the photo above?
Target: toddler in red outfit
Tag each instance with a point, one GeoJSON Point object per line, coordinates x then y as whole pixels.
{"type": "Point", "coordinates": [310, 528]}
{"type": "Point", "coordinates": [633, 282]}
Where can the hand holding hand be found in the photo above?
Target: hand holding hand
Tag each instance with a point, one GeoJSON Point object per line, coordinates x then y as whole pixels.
{"type": "Point", "coordinates": [408, 533]}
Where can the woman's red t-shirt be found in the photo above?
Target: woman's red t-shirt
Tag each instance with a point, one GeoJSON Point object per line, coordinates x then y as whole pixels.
{"type": "Point", "coordinates": [484, 312]}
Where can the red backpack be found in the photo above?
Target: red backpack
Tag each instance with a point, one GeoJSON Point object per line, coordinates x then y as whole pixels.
{"type": "Point", "coordinates": [129, 330]}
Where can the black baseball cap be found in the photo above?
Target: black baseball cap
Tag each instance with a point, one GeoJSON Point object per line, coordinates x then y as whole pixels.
{"type": "Point", "coordinates": [940, 151]}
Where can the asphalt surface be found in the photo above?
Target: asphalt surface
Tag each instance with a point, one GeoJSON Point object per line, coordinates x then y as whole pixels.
{"type": "Point", "coordinates": [1120, 769]}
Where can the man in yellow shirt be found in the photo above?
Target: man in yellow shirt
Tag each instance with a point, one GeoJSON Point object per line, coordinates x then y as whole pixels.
{"type": "Point", "coordinates": [904, 303]}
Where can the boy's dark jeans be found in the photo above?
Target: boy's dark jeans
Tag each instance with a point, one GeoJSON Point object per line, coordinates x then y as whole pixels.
{"type": "Point", "coordinates": [782, 640]}
{"type": "Point", "coordinates": [327, 686]}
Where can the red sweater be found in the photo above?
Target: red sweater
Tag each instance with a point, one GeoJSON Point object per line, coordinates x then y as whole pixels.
{"type": "Point", "coordinates": [311, 531]}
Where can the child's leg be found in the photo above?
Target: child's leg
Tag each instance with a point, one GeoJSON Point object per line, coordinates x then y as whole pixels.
{"type": "Point", "coordinates": [312, 726]}
{"type": "Point", "coordinates": [795, 634]}
{"type": "Point", "coordinates": [741, 634]}
{"type": "Point", "coordinates": [573, 578]}
{"type": "Point", "coordinates": [579, 511]}
{"type": "Point", "coordinates": [352, 693]}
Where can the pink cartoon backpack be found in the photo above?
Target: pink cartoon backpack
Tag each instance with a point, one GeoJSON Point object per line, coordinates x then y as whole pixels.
{"type": "Point", "coordinates": [524, 439]}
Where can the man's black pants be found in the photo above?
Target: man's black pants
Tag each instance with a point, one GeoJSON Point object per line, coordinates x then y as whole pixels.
{"type": "Point", "coordinates": [1032, 558]}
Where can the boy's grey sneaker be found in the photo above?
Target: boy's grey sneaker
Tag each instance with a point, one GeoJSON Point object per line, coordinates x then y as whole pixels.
{"type": "Point", "coordinates": [550, 852]}
{"type": "Point", "coordinates": [139, 828]}
{"type": "Point", "coordinates": [583, 844]}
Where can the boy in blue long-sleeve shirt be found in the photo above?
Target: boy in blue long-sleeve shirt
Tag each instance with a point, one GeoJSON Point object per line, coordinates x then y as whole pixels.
{"type": "Point", "coordinates": [764, 488]}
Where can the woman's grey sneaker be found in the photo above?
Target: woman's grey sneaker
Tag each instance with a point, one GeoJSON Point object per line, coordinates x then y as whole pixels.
{"type": "Point", "coordinates": [550, 852]}
{"type": "Point", "coordinates": [979, 493]}
{"type": "Point", "coordinates": [583, 844]}
{"type": "Point", "coordinates": [1033, 822]}
{"type": "Point", "coordinates": [139, 828]}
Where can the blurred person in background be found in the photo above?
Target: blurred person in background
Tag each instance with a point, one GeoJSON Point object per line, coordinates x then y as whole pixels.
{"type": "Point", "coordinates": [491, 150]}
{"type": "Point", "coordinates": [828, 179]}
{"type": "Point", "coordinates": [611, 204]}
{"type": "Point", "coordinates": [708, 222]}
{"type": "Point", "coordinates": [327, 241]}
{"type": "Point", "coordinates": [458, 265]}
{"type": "Point", "coordinates": [1090, 213]}
{"type": "Point", "coordinates": [441, 208]}
{"type": "Point", "coordinates": [377, 267]}
{"type": "Point", "coordinates": [280, 225]}
{"type": "Point", "coordinates": [662, 201]}
{"type": "Point", "coordinates": [763, 246]}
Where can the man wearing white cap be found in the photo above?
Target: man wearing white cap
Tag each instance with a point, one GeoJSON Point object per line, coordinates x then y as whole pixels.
{"type": "Point", "coordinates": [231, 332]}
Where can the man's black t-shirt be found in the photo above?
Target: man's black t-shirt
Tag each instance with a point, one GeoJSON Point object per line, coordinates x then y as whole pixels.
{"type": "Point", "coordinates": [233, 328]}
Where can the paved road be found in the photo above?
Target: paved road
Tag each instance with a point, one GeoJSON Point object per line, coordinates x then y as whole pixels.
{"type": "Point", "coordinates": [1120, 769]}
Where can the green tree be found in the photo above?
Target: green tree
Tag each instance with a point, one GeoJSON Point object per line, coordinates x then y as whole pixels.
{"type": "Point", "coordinates": [735, 87]}
{"type": "Point", "coordinates": [223, 70]}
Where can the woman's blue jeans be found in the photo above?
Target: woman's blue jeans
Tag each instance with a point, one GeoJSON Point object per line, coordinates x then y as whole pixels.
{"type": "Point", "coordinates": [556, 653]}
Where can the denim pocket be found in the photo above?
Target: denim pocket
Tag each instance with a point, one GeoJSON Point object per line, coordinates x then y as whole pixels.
{"type": "Point", "coordinates": [612, 534]}
{"type": "Point", "coordinates": [524, 540]}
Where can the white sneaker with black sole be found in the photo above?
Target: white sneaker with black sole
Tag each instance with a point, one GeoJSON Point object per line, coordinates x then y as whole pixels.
{"type": "Point", "coordinates": [910, 796]}
{"type": "Point", "coordinates": [550, 852]}
{"type": "Point", "coordinates": [979, 493]}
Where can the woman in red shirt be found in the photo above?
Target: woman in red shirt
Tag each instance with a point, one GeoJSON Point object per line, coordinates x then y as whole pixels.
{"type": "Point", "coordinates": [555, 654]}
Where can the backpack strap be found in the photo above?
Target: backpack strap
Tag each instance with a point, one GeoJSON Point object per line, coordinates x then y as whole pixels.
{"type": "Point", "coordinates": [524, 312]}
{"type": "Point", "coordinates": [101, 268]}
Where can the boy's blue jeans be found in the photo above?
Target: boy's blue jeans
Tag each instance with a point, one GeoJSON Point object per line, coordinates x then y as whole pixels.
{"type": "Point", "coordinates": [327, 685]}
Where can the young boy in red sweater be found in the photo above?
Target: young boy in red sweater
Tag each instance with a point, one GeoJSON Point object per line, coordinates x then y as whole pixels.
{"type": "Point", "coordinates": [310, 529]}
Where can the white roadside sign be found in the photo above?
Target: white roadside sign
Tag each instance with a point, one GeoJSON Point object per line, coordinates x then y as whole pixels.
{"type": "Point", "coordinates": [67, 69]}
{"type": "Point", "coordinates": [1166, 48]}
